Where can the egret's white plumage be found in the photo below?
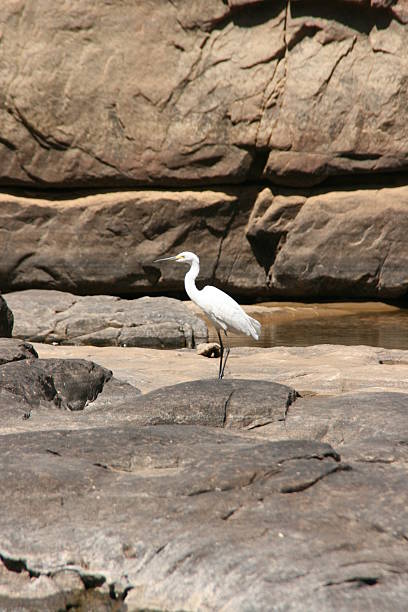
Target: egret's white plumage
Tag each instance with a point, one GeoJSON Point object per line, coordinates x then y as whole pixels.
{"type": "Point", "coordinates": [223, 310]}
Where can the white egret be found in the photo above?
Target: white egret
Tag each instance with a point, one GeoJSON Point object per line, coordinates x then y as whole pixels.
{"type": "Point", "coordinates": [220, 308]}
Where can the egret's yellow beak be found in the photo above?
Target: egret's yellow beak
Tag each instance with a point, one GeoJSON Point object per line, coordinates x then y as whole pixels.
{"type": "Point", "coordinates": [174, 258]}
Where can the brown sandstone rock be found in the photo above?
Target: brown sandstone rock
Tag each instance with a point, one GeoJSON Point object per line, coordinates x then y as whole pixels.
{"type": "Point", "coordinates": [262, 243]}
{"type": "Point", "coordinates": [166, 93]}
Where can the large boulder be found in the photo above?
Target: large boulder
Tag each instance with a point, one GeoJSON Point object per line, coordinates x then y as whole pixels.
{"type": "Point", "coordinates": [102, 320]}
{"type": "Point", "coordinates": [333, 244]}
{"type": "Point", "coordinates": [168, 93]}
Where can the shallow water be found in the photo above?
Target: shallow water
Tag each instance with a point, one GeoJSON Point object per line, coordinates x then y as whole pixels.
{"type": "Point", "coordinates": [296, 324]}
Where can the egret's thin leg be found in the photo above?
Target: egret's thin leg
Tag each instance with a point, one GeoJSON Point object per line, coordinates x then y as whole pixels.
{"type": "Point", "coordinates": [221, 354]}
{"type": "Point", "coordinates": [227, 352]}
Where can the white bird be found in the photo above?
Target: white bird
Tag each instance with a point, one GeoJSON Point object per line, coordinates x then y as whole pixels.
{"type": "Point", "coordinates": [223, 311]}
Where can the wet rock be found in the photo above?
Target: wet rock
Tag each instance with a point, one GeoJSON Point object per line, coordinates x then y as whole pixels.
{"type": "Point", "coordinates": [6, 319]}
{"type": "Point", "coordinates": [63, 318]}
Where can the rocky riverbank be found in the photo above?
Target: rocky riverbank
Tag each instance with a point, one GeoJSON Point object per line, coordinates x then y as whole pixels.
{"type": "Point", "coordinates": [159, 487]}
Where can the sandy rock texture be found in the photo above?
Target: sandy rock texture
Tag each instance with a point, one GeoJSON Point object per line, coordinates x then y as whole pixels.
{"type": "Point", "coordinates": [204, 494]}
{"type": "Point", "coordinates": [165, 93]}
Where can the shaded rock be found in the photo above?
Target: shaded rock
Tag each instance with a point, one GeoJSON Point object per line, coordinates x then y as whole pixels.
{"type": "Point", "coordinates": [6, 319]}
{"type": "Point", "coordinates": [208, 349]}
{"type": "Point", "coordinates": [222, 92]}
{"type": "Point", "coordinates": [53, 316]}
{"type": "Point", "coordinates": [100, 255]}
{"type": "Point", "coordinates": [235, 404]}
{"type": "Point", "coordinates": [67, 383]}
{"type": "Point", "coordinates": [14, 350]}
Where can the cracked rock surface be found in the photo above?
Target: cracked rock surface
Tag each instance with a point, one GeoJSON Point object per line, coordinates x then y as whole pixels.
{"type": "Point", "coordinates": [102, 320]}
{"type": "Point", "coordinates": [204, 495]}
{"type": "Point", "coordinates": [214, 92]}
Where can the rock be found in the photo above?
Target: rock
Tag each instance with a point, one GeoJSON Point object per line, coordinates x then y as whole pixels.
{"type": "Point", "coordinates": [208, 349]}
{"type": "Point", "coordinates": [6, 319]}
{"type": "Point", "coordinates": [253, 242]}
{"type": "Point", "coordinates": [221, 505]}
{"type": "Point", "coordinates": [367, 426]}
{"type": "Point", "coordinates": [333, 244]}
{"type": "Point", "coordinates": [68, 383]}
{"type": "Point", "coordinates": [63, 318]}
{"type": "Point", "coordinates": [324, 369]}
{"type": "Point", "coordinates": [227, 501]}
{"type": "Point", "coordinates": [99, 255]}
{"type": "Point", "coordinates": [232, 404]}
{"type": "Point", "coordinates": [216, 92]}
{"type": "Point", "coordinates": [12, 349]}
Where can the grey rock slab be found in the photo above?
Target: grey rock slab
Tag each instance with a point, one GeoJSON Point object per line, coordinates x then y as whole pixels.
{"type": "Point", "coordinates": [103, 320]}
{"type": "Point", "coordinates": [233, 404]}
{"type": "Point", "coordinates": [197, 518]}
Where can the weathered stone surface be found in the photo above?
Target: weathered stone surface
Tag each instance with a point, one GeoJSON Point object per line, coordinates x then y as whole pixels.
{"type": "Point", "coordinates": [6, 319]}
{"type": "Point", "coordinates": [236, 522]}
{"type": "Point", "coordinates": [102, 320]}
{"type": "Point", "coordinates": [232, 404]}
{"type": "Point", "coordinates": [333, 244]}
{"type": "Point", "coordinates": [322, 369]}
{"type": "Point", "coordinates": [15, 350]}
{"type": "Point", "coordinates": [68, 384]}
{"type": "Point", "coordinates": [106, 243]}
{"type": "Point", "coordinates": [112, 515]}
{"type": "Point", "coordinates": [202, 92]}
{"type": "Point", "coordinates": [264, 243]}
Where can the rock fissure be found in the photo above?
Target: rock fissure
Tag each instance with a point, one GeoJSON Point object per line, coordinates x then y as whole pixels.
{"type": "Point", "coordinates": [302, 486]}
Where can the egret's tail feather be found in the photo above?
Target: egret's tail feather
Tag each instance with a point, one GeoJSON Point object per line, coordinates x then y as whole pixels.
{"type": "Point", "coordinates": [255, 328]}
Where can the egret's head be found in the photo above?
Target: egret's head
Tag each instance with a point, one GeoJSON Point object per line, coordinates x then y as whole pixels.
{"type": "Point", "coordinates": [184, 257]}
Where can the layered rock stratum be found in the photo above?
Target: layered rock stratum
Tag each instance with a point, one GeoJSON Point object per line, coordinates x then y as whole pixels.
{"type": "Point", "coordinates": [302, 104]}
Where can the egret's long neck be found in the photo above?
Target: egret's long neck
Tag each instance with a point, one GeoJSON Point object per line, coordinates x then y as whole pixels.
{"type": "Point", "coordinates": [189, 281]}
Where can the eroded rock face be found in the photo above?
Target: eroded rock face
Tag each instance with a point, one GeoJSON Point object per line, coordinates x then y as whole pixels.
{"type": "Point", "coordinates": [333, 244]}
{"type": "Point", "coordinates": [168, 93]}
{"type": "Point", "coordinates": [101, 320]}
{"type": "Point", "coordinates": [264, 242]}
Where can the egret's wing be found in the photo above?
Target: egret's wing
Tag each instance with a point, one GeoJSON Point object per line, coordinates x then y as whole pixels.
{"type": "Point", "coordinates": [227, 313]}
